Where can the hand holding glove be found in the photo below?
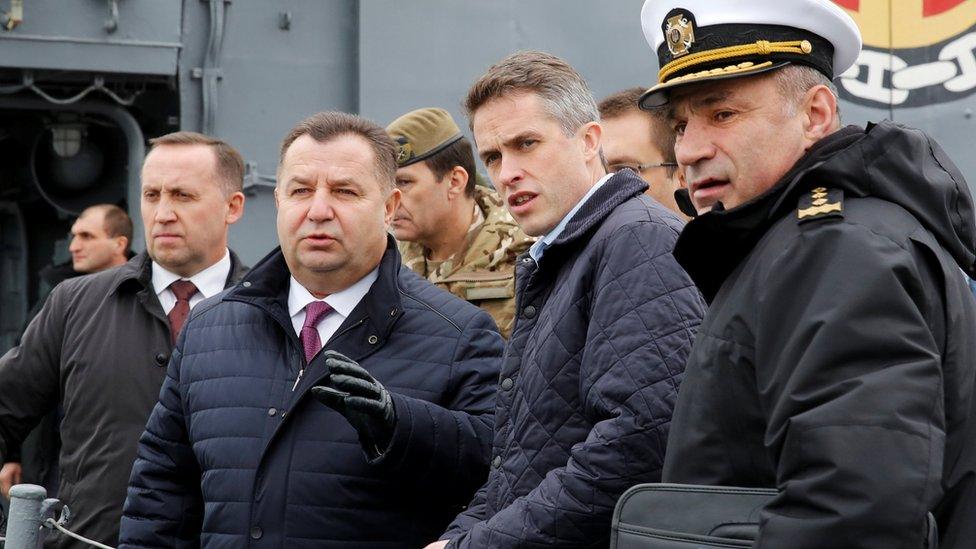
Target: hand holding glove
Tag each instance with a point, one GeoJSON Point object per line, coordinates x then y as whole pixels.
{"type": "Point", "coordinates": [364, 402]}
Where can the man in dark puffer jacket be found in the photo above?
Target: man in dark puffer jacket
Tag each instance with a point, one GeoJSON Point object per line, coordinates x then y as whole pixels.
{"type": "Point", "coordinates": [605, 318]}
{"type": "Point", "coordinates": [238, 453]}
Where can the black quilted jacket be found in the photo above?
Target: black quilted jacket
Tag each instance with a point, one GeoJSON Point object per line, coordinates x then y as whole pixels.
{"type": "Point", "coordinates": [589, 379]}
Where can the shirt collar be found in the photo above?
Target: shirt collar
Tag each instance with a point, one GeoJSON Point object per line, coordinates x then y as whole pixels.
{"type": "Point", "coordinates": [209, 282]}
{"type": "Point", "coordinates": [536, 250]}
{"type": "Point", "coordinates": [343, 302]}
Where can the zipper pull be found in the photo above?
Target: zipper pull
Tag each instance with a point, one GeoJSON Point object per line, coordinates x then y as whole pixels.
{"type": "Point", "coordinates": [297, 379]}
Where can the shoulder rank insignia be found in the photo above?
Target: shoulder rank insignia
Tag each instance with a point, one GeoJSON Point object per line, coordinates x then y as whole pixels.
{"type": "Point", "coordinates": [820, 203]}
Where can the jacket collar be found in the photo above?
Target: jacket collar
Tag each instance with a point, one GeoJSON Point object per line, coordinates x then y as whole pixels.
{"type": "Point", "coordinates": [621, 187]}
{"type": "Point", "coordinates": [266, 286]}
{"type": "Point", "coordinates": [136, 274]}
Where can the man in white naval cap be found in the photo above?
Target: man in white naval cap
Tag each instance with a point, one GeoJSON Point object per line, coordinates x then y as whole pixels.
{"type": "Point", "coordinates": [836, 361]}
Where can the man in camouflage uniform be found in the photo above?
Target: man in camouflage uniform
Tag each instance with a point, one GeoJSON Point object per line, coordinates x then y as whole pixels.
{"type": "Point", "coordinates": [456, 234]}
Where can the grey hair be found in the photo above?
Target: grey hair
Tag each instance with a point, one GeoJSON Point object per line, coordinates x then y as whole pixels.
{"type": "Point", "coordinates": [794, 81]}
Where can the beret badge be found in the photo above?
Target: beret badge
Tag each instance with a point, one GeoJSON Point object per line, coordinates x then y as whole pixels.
{"type": "Point", "coordinates": [405, 150]}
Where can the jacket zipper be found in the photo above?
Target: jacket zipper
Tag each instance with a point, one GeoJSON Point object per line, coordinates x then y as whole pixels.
{"type": "Point", "coordinates": [301, 371]}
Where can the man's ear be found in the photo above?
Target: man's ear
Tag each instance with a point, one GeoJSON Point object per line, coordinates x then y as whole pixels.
{"type": "Point", "coordinates": [820, 112]}
{"type": "Point", "coordinates": [592, 134]}
{"type": "Point", "coordinates": [391, 205]}
{"type": "Point", "coordinates": [457, 182]}
{"type": "Point", "coordinates": [235, 207]}
{"type": "Point", "coordinates": [121, 243]}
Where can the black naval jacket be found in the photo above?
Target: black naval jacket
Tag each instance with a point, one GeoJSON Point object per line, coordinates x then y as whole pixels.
{"type": "Point", "coordinates": [837, 358]}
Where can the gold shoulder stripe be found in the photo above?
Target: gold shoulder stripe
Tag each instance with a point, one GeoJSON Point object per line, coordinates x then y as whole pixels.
{"type": "Point", "coordinates": [820, 202]}
{"type": "Point", "coordinates": [818, 210]}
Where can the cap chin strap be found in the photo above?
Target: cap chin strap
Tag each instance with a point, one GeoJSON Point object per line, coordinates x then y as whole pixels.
{"type": "Point", "coordinates": [760, 47]}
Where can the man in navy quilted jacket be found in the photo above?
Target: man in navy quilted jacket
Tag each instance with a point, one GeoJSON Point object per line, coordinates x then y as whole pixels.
{"type": "Point", "coordinates": [605, 318]}
{"type": "Point", "coordinates": [332, 399]}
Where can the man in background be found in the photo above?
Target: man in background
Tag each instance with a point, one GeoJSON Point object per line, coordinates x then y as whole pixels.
{"type": "Point", "coordinates": [100, 239]}
{"type": "Point", "coordinates": [643, 142]}
{"type": "Point", "coordinates": [456, 234]}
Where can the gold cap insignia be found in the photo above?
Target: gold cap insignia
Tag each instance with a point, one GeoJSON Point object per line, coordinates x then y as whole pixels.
{"type": "Point", "coordinates": [405, 151]}
{"type": "Point", "coordinates": [679, 35]}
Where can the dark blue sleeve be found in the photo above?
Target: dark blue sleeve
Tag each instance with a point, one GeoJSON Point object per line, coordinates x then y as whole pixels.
{"type": "Point", "coordinates": [163, 507]}
{"type": "Point", "coordinates": [445, 447]}
{"type": "Point", "coordinates": [474, 513]}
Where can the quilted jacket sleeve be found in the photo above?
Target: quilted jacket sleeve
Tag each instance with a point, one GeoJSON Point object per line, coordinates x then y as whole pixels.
{"type": "Point", "coordinates": [475, 513]}
{"type": "Point", "coordinates": [445, 447]}
{"type": "Point", "coordinates": [644, 313]}
{"type": "Point", "coordinates": [164, 507]}
{"type": "Point", "coordinates": [850, 372]}
{"type": "Point", "coordinates": [30, 374]}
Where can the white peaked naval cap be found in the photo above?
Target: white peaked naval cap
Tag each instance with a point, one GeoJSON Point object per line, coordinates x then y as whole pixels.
{"type": "Point", "coordinates": [701, 40]}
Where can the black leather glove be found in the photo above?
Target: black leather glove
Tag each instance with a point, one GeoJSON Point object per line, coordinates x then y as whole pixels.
{"type": "Point", "coordinates": [364, 402]}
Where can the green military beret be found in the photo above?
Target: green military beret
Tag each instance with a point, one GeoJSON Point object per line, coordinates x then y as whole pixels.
{"type": "Point", "coordinates": [423, 133]}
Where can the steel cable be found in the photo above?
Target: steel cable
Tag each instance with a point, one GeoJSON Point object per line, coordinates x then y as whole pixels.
{"type": "Point", "coordinates": [54, 523]}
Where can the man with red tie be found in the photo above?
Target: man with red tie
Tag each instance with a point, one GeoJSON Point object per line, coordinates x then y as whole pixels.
{"type": "Point", "coordinates": [99, 346]}
{"type": "Point", "coordinates": [241, 452]}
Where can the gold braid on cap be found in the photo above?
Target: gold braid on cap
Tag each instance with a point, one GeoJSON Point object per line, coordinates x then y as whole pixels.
{"type": "Point", "coordinates": [761, 47]}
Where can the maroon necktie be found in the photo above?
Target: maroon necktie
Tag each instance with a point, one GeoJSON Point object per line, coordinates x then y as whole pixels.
{"type": "Point", "coordinates": [183, 290]}
{"type": "Point", "coordinates": [314, 312]}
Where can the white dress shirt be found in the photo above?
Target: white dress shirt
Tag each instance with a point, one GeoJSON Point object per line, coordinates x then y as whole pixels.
{"type": "Point", "coordinates": [342, 304]}
{"type": "Point", "coordinates": [209, 282]}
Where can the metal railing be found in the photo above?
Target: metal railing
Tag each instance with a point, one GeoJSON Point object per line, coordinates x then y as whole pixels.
{"type": "Point", "coordinates": [31, 512]}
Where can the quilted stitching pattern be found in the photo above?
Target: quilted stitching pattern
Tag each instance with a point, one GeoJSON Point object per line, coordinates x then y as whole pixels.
{"type": "Point", "coordinates": [595, 374]}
